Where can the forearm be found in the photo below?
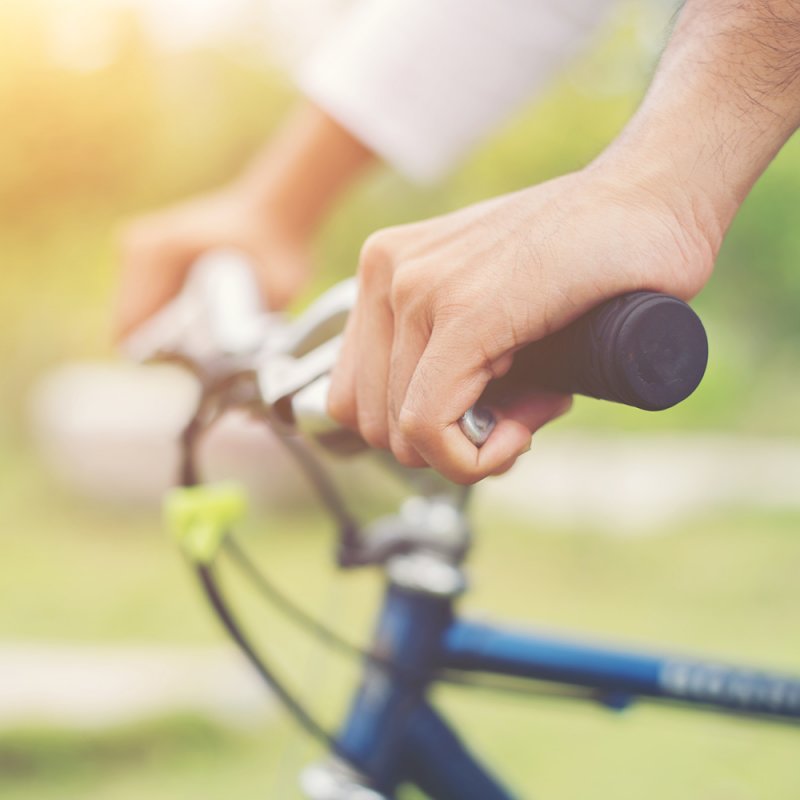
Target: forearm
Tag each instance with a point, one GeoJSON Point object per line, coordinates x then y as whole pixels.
{"type": "Point", "coordinates": [423, 82]}
{"type": "Point", "coordinates": [269, 213]}
{"type": "Point", "coordinates": [725, 99]}
{"type": "Point", "coordinates": [304, 168]}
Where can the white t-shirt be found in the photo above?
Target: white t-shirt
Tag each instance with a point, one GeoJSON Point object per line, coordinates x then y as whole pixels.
{"type": "Point", "coordinates": [420, 82]}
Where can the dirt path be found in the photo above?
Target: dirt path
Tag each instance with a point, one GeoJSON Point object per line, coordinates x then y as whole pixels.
{"type": "Point", "coordinates": [95, 686]}
{"type": "Point", "coordinates": [631, 484]}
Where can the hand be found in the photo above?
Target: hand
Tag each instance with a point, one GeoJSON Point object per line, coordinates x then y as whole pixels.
{"type": "Point", "coordinates": [159, 249]}
{"type": "Point", "coordinates": [271, 213]}
{"type": "Point", "coordinates": [443, 305]}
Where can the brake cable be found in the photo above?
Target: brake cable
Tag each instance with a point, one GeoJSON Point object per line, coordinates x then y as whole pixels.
{"type": "Point", "coordinates": [279, 600]}
{"type": "Point", "coordinates": [349, 534]}
{"type": "Point", "coordinates": [201, 562]}
{"type": "Point", "coordinates": [294, 706]}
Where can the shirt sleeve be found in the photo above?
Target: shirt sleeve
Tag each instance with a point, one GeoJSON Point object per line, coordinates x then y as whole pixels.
{"type": "Point", "coordinates": [420, 82]}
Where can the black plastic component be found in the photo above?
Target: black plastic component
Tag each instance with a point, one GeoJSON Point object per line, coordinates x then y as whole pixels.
{"type": "Point", "coordinates": [642, 349]}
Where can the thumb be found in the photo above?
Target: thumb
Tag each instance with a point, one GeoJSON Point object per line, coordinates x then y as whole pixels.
{"type": "Point", "coordinates": [150, 276]}
{"type": "Point", "coordinates": [282, 270]}
{"type": "Point", "coordinates": [450, 378]}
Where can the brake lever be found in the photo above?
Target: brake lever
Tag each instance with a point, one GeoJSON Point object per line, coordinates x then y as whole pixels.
{"type": "Point", "coordinates": [217, 318]}
{"type": "Point", "coordinates": [322, 321]}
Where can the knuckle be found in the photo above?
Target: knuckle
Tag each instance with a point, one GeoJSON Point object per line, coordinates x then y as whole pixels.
{"type": "Point", "coordinates": [406, 455]}
{"type": "Point", "coordinates": [415, 431]}
{"type": "Point", "coordinates": [373, 432]}
{"type": "Point", "coordinates": [375, 258]}
{"type": "Point", "coordinates": [340, 407]}
{"type": "Point", "coordinates": [406, 290]}
{"type": "Point", "coordinates": [408, 458]}
{"type": "Point", "coordinates": [410, 425]}
{"type": "Point", "coordinates": [464, 308]}
{"type": "Point", "coordinates": [403, 452]}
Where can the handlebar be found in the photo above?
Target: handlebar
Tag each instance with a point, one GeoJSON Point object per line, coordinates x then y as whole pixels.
{"type": "Point", "coordinates": [642, 349]}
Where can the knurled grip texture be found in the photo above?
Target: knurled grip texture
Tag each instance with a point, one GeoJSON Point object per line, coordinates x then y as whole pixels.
{"type": "Point", "coordinates": [643, 349]}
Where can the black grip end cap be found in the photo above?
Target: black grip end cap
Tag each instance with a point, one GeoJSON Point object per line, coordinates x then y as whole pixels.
{"type": "Point", "coordinates": [659, 353]}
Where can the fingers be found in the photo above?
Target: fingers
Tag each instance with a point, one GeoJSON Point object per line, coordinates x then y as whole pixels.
{"type": "Point", "coordinates": [372, 368]}
{"type": "Point", "coordinates": [158, 250]}
{"type": "Point", "coordinates": [359, 395]}
{"type": "Point", "coordinates": [151, 274]}
{"type": "Point", "coordinates": [420, 348]}
{"type": "Point", "coordinates": [441, 389]}
{"type": "Point", "coordinates": [404, 390]}
{"type": "Point", "coordinates": [451, 453]}
{"type": "Point", "coordinates": [407, 348]}
{"type": "Point", "coordinates": [448, 378]}
{"type": "Point", "coordinates": [342, 399]}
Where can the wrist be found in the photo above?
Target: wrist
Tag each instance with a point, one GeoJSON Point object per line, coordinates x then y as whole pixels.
{"type": "Point", "coordinates": [693, 220]}
{"type": "Point", "coordinates": [306, 166]}
{"type": "Point", "coordinates": [696, 198]}
{"type": "Point", "coordinates": [272, 205]}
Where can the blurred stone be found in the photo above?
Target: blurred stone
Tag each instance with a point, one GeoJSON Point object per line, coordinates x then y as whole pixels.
{"type": "Point", "coordinates": [633, 484]}
{"type": "Point", "coordinates": [110, 432]}
{"type": "Point", "coordinates": [87, 686]}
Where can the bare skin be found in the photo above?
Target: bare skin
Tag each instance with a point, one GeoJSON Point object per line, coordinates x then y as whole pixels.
{"type": "Point", "coordinates": [271, 213]}
{"type": "Point", "coordinates": [443, 304]}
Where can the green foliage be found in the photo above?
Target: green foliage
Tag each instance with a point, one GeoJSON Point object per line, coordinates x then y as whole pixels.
{"type": "Point", "coordinates": [758, 275]}
{"type": "Point", "coordinates": [85, 147]}
{"type": "Point", "coordinates": [143, 128]}
{"type": "Point", "coordinates": [722, 586]}
{"type": "Point", "coordinates": [41, 754]}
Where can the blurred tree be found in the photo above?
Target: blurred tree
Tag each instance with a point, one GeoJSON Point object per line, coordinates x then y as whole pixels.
{"type": "Point", "coordinates": [72, 136]}
{"type": "Point", "coordinates": [100, 122]}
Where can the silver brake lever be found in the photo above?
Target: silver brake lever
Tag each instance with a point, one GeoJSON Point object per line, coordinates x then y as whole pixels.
{"type": "Point", "coordinates": [218, 313]}
{"type": "Point", "coordinates": [294, 382]}
{"type": "Point", "coordinates": [282, 376]}
{"type": "Point", "coordinates": [323, 320]}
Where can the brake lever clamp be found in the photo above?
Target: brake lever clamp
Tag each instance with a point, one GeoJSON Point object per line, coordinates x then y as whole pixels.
{"type": "Point", "coordinates": [294, 380]}
{"type": "Point", "coordinates": [434, 525]}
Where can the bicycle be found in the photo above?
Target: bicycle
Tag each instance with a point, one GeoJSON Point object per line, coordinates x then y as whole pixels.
{"type": "Point", "coordinates": [643, 349]}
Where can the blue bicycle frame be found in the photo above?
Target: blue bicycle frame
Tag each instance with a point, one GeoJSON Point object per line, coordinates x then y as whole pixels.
{"type": "Point", "coordinates": [393, 735]}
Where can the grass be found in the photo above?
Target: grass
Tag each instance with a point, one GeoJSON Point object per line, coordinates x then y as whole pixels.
{"type": "Point", "coordinates": [558, 751]}
{"type": "Point", "coordinates": [91, 147]}
{"type": "Point", "coordinates": [173, 758]}
{"type": "Point", "coordinates": [725, 585]}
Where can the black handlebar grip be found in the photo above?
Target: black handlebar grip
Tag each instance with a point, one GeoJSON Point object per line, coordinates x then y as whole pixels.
{"type": "Point", "coordinates": [642, 349]}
